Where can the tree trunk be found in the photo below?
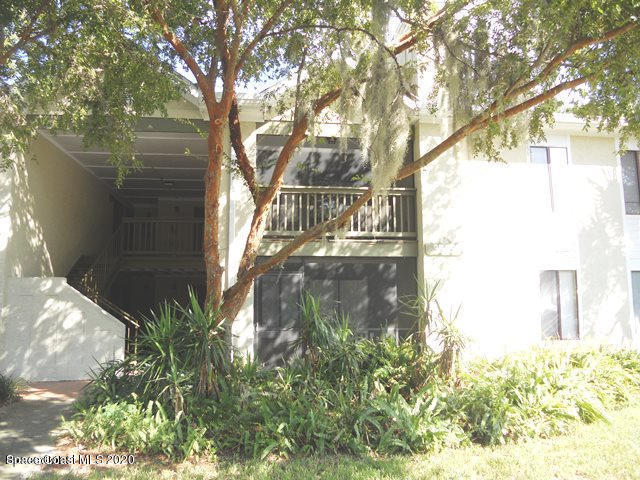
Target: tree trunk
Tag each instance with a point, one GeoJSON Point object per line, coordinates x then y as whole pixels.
{"type": "Point", "coordinates": [211, 246]}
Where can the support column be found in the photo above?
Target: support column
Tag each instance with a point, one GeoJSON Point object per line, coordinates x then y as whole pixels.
{"type": "Point", "coordinates": [5, 233]}
{"type": "Point", "coordinates": [241, 208]}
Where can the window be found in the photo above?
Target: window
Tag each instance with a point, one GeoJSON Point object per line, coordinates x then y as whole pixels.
{"type": "Point", "coordinates": [559, 302]}
{"type": "Point", "coordinates": [366, 290]}
{"type": "Point", "coordinates": [630, 183]}
{"type": "Point", "coordinates": [550, 157]}
{"type": "Point", "coordinates": [320, 163]}
{"type": "Point", "coordinates": [635, 289]}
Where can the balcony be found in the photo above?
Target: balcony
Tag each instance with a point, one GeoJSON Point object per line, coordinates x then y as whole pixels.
{"type": "Point", "coordinates": [158, 236]}
{"type": "Point", "coordinates": [294, 210]}
{"type": "Point", "coordinates": [388, 215]}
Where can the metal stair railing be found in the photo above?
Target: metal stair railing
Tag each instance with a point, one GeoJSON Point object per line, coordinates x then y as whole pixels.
{"type": "Point", "coordinates": [105, 265]}
{"type": "Point", "coordinates": [95, 280]}
{"type": "Point", "coordinates": [131, 324]}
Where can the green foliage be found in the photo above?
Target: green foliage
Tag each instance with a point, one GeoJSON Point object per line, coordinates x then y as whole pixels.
{"type": "Point", "coordinates": [542, 392]}
{"type": "Point", "coordinates": [435, 329]}
{"type": "Point", "coordinates": [493, 55]}
{"type": "Point", "coordinates": [181, 349]}
{"type": "Point", "coordinates": [10, 389]}
{"type": "Point", "coordinates": [135, 427]}
{"type": "Point", "coordinates": [590, 452]}
{"type": "Point", "coordinates": [180, 353]}
{"type": "Point", "coordinates": [98, 66]}
{"type": "Point", "coordinates": [81, 66]}
{"type": "Point", "coordinates": [346, 395]}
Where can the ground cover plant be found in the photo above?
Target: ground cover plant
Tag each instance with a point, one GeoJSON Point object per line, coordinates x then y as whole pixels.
{"type": "Point", "coordinates": [597, 451]}
{"type": "Point", "coordinates": [9, 389]}
{"type": "Point", "coordinates": [343, 394]}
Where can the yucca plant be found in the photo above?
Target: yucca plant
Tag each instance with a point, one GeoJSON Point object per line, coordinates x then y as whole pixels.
{"type": "Point", "coordinates": [434, 327]}
{"type": "Point", "coordinates": [163, 350]}
{"type": "Point", "coordinates": [10, 388]}
{"type": "Point", "coordinates": [207, 348]}
{"type": "Point", "coordinates": [317, 330]}
{"type": "Point", "coordinates": [422, 308]}
{"type": "Point", "coordinates": [452, 342]}
{"type": "Point", "coordinates": [113, 381]}
{"type": "Point", "coordinates": [183, 350]}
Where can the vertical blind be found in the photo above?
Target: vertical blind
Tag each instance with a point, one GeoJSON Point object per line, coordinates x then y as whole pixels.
{"type": "Point", "coordinates": [558, 294]}
{"type": "Point", "coordinates": [630, 183]}
{"type": "Point", "coordinates": [553, 158]}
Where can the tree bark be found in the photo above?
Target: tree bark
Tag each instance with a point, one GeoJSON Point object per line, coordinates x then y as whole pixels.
{"type": "Point", "coordinates": [211, 215]}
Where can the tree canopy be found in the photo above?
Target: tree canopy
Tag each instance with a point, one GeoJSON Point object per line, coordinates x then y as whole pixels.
{"type": "Point", "coordinates": [82, 66]}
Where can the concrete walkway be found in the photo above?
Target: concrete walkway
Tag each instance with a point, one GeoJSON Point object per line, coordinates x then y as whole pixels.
{"type": "Point", "coordinates": [28, 426]}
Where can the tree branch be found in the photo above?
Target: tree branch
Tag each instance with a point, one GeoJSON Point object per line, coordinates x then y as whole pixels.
{"type": "Point", "coordinates": [261, 34]}
{"type": "Point", "coordinates": [330, 225]}
{"type": "Point", "coordinates": [244, 164]}
{"type": "Point", "coordinates": [482, 121]}
{"type": "Point", "coordinates": [220, 36]}
{"type": "Point", "coordinates": [297, 135]}
{"type": "Point", "coordinates": [183, 52]}
{"type": "Point", "coordinates": [319, 26]}
{"type": "Point", "coordinates": [247, 274]}
{"type": "Point", "coordinates": [579, 45]}
{"type": "Point", "coordinates": [28, 35]}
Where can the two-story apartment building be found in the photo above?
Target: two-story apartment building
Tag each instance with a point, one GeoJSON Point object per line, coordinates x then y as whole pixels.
{"type": "Point", "coordinates": [543, 246]}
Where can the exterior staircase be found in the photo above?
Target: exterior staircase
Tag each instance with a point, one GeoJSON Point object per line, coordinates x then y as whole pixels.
{"type": "Point", "coordinates": [92, 275]}
{"type": "Point", "coordinates": [80, 268]}
{"type": "Point", "coordinates": [143, 243]}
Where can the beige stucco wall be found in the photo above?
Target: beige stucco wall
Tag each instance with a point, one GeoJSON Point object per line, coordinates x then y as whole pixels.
{"type": "Point", "coordinates": [51, 212]}
{"type": "Point", "coordinates": [488, 231]}
{"type": "Point", "coordinates": [603, 276]}
{"type": "Point", "coordinates": [52, 332]}
{"type": "Point", "coordinates": [58, 212]}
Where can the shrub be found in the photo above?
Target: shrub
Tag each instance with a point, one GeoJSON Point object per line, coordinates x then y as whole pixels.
{"type": "Point", "coordinates": [544, 391]}
{"type": "Point", "coordinates": [137, 428]}
{"type": "Point", "coordinates": [342, 395]}
{"type": "Point", "coordinates": [9, 389]}
{"type": "Point", "coordinates": [179, 354]}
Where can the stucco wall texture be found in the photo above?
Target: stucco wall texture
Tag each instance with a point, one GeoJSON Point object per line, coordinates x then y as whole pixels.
{"type": "Point", "coordinates": [51, 211]}
{"type": "Point", "coordinates": [485, 230]}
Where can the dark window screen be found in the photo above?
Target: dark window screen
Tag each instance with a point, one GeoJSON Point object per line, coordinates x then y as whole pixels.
{"type": "Point", "coordinates": [320, 163]}
{"type": "Point", "coordinates": [630, 183]}
{"type": "Point", "coordinates": [366, 291]}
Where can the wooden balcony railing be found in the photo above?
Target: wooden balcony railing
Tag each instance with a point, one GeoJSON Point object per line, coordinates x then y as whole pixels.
{"type": "Point", "coordinates": [154, 236]}
{"type": "Point", "coordinates": [295, 209]}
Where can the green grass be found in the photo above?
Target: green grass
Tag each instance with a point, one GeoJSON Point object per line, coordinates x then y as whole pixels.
{"type": "Point", "coordinates": [597, 451]}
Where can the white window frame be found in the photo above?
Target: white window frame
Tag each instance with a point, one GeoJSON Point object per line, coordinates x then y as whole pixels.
{"type": "Point", "coordinates": [552, 141]}
{"type": "Point", "coordinates": [624, 200]}
{"type": "Point", "coordinates": [558, 299]}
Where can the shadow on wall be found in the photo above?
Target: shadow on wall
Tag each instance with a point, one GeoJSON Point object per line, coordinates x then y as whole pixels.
{"type": "Point", "coordinates": [52, 332]}
{"type": "Point", "coordinates": [603, 283]}
{"type": "Point", "coordinates": [27, 253]}
{"type": "Point", "coordinates": [442, 222]}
